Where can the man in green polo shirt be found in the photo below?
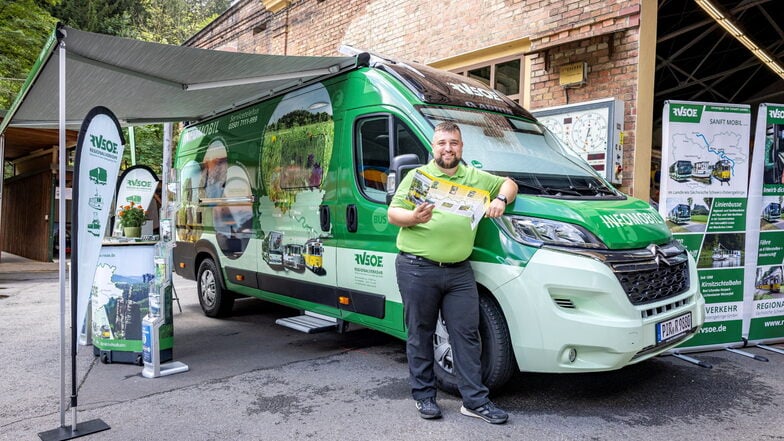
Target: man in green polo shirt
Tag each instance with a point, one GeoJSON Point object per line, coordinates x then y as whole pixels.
{"type": "Point", "coordinates": [433, 274]}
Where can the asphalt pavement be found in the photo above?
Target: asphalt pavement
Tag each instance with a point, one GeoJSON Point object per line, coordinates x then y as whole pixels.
{"type": "Point", "coordinates": [250, 379]}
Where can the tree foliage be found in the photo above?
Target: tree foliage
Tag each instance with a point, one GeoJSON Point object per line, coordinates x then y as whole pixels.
{"type": "Point", "coordinates": [24, 27]}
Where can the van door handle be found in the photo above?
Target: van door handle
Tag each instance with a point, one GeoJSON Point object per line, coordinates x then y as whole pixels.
{"type": "Point", "coordinates": [324, 219]}
{"type": "Point", "coordinates": [351, 218]}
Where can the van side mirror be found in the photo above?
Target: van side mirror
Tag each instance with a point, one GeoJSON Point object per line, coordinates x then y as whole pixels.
{"type": "Point", "coordinates": [397, 171]}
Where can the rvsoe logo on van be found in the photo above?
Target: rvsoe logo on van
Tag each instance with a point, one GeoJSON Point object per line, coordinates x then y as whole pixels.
{"type": "Point", "coordinates": [690, 113]}
{"type": "Point", "coordinates": [369, 259]}
{"type": "Point", "coordinates": [775, 115]}
{"type": "Point", "coordinates": [475, 91]}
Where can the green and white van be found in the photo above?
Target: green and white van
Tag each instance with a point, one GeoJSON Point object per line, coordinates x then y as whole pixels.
{"type": "Point", "coordinates": [286, 199]}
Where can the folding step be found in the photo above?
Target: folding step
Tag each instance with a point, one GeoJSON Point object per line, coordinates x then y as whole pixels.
{"type": "Point", "coordinates": [308, 323]}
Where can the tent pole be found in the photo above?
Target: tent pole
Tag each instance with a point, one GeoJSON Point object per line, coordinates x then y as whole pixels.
{"type": "Point", "coordinates": [61, 225]}
{"type": "Point", "coordinates": [132, 141]}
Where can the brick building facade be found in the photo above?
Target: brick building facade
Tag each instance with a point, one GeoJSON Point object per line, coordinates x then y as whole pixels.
{"type": "Point", "coordinates": [532, 39]}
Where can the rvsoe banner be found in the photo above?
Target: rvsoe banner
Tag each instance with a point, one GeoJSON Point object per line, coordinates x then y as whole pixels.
{"type": "Point", "coordinates": [137, 185]}
{"type": "Point", "coordinates": [766, 194]}
{"type": "Point", "coordinates": [705, 159]}
{"type": "Point", "coordinates": [99, 151]}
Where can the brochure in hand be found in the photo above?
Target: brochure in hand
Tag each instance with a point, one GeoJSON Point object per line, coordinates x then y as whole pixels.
{"type": "Point", "coordinates": [447, 196]}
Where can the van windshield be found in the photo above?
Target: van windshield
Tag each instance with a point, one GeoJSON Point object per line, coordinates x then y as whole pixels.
{"type": "Point", "coordinates": [523, 150]}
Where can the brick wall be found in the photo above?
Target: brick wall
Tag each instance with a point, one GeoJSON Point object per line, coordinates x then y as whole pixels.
{"type": "Point", "coordinates": [603, 33]}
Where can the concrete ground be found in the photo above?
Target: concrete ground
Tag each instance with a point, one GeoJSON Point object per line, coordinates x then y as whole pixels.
{"type": "Point", "coordinates": [251, 379]}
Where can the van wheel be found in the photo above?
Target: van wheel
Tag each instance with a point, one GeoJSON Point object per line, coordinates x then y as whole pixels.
{"type": "Point", "coordinates": [497, 356]}
{"type": "Point", "coordinates": [214, 300]}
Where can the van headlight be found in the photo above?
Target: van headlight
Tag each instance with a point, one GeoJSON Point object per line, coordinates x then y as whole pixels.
{"type": "Point", "coordinates": [537, 232]}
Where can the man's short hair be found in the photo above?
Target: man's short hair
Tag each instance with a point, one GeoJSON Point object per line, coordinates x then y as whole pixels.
{"type": "Point", "coordinates": [448, 126]}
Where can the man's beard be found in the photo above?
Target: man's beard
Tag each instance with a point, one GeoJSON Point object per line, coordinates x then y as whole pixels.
{"type": "Point", "coordinates": [447, 165]}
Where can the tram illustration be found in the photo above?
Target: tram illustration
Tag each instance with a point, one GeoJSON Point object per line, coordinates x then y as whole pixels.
{"type": "Point", "coordinates": [680, 214]}
{"type": "Point", "coordinates": [770, 281]}
{"type": "Point", "coordinates": [772, 212]}
{"type": "Point", "coordinates": [722, 171]}
{"type": "Point", "coordinates": [314, 256]}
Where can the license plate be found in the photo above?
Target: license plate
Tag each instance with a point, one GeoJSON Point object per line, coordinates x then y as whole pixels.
{"type": "Point", "coordinates": [673, 328]}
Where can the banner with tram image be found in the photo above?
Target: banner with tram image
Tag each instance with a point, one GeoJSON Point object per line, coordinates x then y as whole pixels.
{"type": "Point", "coordinates": [705, 160]}
{"type": "Point", "coordinates": [765, 226]}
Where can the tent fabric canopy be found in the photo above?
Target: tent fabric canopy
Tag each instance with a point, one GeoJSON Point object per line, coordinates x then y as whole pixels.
{"type": "Point", "coordinates": [143, 82]}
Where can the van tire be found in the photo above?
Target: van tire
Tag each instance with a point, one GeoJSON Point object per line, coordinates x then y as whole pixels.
{"type": "Point", "coordinates": [214, 300]}
{"type": "Point", "coordinates": [498, 361]}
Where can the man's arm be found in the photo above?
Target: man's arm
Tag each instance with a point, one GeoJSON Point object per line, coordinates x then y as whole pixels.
{"type": "Point", "coordinates": [497, 206]}
{"type": "Point", "coordinates": [403, 217]}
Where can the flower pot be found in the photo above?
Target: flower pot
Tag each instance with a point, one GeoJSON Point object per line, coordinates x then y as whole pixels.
{"type": "Point", "coordinates": [132, 231]}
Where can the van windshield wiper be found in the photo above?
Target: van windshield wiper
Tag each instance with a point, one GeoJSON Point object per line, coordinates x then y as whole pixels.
{"type": "Point", "coordinates": [527, 184]}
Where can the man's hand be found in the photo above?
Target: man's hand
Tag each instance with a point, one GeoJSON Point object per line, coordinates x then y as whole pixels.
{"type": "Point", "coordinates": [403, 217]}
{"type": "Point", "coordinates": [423, 213]}
{"type": "Point", "coordinates": [496, 209]}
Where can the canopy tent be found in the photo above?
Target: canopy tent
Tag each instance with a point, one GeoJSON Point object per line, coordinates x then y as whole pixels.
{"type": "Point", "coordinates": [143, 82]}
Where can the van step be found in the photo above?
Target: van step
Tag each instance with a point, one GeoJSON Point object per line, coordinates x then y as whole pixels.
{"type": "Point", "coordinates": [308, 324]}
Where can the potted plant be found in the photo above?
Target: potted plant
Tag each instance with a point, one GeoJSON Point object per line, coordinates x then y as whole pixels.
{"type": "Point", "coordinates": [131, 217]}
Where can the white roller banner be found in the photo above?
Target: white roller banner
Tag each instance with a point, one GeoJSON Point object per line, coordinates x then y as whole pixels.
{"type": "Point", "coordinates": [99, 151]}
{"type": "Point", "coordinates": [765, 228]}
{"type": "Point", "coordinates": [705, 171]}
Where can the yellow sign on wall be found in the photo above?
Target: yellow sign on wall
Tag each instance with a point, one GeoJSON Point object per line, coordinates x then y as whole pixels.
{"type": "Point", "coordinates": [573, 74]}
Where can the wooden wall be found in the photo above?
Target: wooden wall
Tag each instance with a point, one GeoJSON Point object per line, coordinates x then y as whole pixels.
{"type": "Point", "coordinates": [24, 229]}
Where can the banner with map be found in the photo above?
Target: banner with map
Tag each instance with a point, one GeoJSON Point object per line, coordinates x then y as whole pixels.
{"type": "Point", "coordinates": [765, 228]}
{"type": "Point", "coordinates": [705, 161]}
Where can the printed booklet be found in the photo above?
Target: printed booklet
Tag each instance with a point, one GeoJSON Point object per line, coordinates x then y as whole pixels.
{"type": "Point", "coordinates": [447, 196]}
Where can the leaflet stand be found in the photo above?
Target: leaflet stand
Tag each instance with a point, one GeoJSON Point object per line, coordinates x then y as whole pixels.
{"type": "Point", "coordinates": [155, 318]}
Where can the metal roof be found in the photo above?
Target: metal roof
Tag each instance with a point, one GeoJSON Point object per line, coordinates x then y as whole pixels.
{"type": "Point", "coordinates": [697, 60]}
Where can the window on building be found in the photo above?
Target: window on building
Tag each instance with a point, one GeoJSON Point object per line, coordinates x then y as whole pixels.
{"type": "Point", "coordinates": [503, 75]}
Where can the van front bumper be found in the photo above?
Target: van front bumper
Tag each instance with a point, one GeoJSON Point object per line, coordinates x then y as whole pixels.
{"type": "Point", "coordinates": [569, 313]}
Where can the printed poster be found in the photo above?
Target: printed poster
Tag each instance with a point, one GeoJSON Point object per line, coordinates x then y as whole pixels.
{"type": "Point", "coordinates": [765, 225]}
{"type": "Point", "coordinates": [705, 161]}
{"type": "Point", "coordinates": [449, 197]}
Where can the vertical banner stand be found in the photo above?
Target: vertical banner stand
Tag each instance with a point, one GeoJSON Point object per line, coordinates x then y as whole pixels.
{"type": "Point", "coordinates": [155, 318]}
{"type": "Point", "coordinates": [75, 430]}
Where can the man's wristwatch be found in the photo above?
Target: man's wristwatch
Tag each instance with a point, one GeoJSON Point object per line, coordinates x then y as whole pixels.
{"type": "Point", "coordinates": [502, 198]}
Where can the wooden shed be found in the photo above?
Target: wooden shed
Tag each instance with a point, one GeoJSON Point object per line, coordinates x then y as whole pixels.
{"type": "Point", "coordinates": [28, 214]}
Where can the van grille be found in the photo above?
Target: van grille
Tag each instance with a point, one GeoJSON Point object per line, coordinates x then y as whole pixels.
{"type": "Point", "coordinates": [653, 274]}
{"type": "Point", "coordinates": [647, 275]}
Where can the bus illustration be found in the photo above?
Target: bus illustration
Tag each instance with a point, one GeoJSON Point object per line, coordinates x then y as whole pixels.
{"type": "Point", "coordinates": [98, 175]}
{"type": "Point", "coordinates": [772, 212]}
{"type": "Point", "coordinates": [681, 170]}
{"type": "Point", "coordinates": [272, 248]}
{"type": "Point", "coordinates": [702, 170]}
{"type": "Point", "coordinates": [292, 256]}
{"type": "Point", "coordinates": [680, 214]}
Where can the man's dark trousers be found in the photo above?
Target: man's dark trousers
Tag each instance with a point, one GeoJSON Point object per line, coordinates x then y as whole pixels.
{"type": "Point", "coordinates": [426, 287]}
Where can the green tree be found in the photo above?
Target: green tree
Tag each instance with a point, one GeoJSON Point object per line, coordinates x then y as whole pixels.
{"type": "Point", "coordinates": [111, 18]}
{"type": "Point", "coordinates": [24, 27]}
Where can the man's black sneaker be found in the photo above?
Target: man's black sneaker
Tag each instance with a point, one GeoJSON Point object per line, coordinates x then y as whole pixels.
{"type": "Point", "coordinates": [428, 408]}
{"type": "Point", "coordinates": [488, 412]}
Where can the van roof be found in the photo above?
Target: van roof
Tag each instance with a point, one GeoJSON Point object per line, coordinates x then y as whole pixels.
{"type": "Point", "coordinates": [439, 87]}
